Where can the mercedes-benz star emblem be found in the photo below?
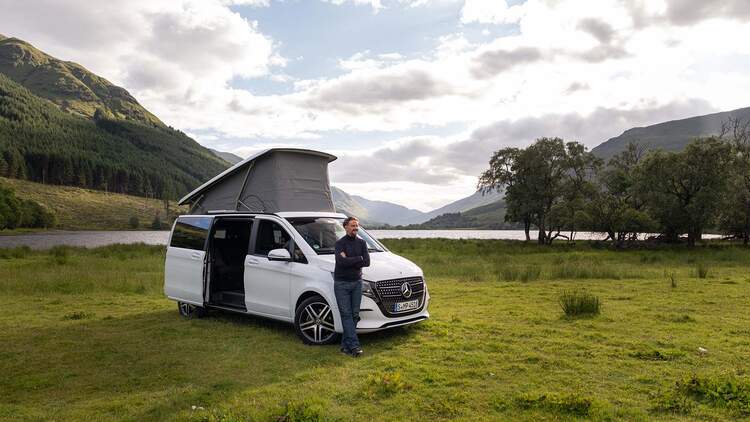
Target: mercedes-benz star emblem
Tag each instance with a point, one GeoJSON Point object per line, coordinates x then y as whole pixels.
{"type": "Point", "coordinates": [406, 290]}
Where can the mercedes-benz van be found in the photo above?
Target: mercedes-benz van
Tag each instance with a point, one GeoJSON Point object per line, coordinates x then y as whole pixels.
{"type": "Point", "coordinates": [280, 266]}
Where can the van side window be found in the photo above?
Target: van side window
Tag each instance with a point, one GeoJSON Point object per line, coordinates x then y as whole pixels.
{"type": "Point", "coordinates": [298, 256]}
{"type": "Point", "coordinates": [270, 236]}
{"type": "Point", "coordinates": [190, 233]}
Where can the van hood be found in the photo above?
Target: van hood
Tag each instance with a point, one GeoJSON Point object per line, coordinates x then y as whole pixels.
{"type": "Point", "coordinates": [383, 266]}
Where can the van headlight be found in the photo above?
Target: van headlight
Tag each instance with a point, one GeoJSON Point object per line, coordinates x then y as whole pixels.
{"type": "Point", "coordinates": [368, 289]}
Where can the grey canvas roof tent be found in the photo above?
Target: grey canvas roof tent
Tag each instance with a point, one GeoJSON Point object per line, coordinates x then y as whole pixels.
{"type": "Point", "coordinates": [273, 180]}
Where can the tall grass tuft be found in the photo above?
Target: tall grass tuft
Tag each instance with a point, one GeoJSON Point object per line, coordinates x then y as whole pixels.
{"type": "Point", "coordinates": [671, 277]}
{"type": "Point", "coordinates": [589, 270]}
{"type": "Point", "coordinates": [579, 303]}
{"type": "Point", "coordinates": [387, 383]}
{"type": "Point", "coordinates": [519, 273]}
{"type": "Point", "coordinates": [301, 411]}
{"type": "Point", "coordinates": [60, 254]}
{"type": "Point", "coordinates": [701, 270]}
{"type": "Point", "coordinates": [732, 394]}
{"type": "Point", "coordinates": [17, 252]}
{"type": "Point", "coordinates": [572, 404]}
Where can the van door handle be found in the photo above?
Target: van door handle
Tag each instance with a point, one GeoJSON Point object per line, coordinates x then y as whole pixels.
{"type": "Point", "coordinates": [251, 261]}
{"type": "Point", "coordinates": [195, 255]}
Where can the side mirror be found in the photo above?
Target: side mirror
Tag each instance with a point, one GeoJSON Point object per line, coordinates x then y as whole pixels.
{"type": "Point", "coordinates": [279, 255]}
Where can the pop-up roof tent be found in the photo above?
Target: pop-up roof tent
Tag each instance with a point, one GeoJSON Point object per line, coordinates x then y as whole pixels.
{"type": "Point", "coordinates": [277, 179]}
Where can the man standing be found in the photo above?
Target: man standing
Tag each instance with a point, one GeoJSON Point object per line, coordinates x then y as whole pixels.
{"type": "Point", "coordinates": [351, 256]}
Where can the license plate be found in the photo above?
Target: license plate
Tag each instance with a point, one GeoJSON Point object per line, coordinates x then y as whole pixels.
{"type": "Point", "coordinates": [405, 306]}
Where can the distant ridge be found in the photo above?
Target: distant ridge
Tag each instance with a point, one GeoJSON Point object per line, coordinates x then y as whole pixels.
{"type": "Point", "coordinates": [672, 135]}
{"type": "Point", "coordinates": [477, 199]}
{"type": "Point", "coordinates": [485, 217]}
{"type": "Point", "coordinates": [346, 204]}
{"type": "Point", "coordinates": [384, 212]}
{"type": "Point", "coordinates": [389, 213]}
{"type": "Point", "coordinates": [227, 156]}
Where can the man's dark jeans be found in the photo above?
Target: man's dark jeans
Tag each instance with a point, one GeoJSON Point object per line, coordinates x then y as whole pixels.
{"type": "Point", "coordinates": [348, 298]}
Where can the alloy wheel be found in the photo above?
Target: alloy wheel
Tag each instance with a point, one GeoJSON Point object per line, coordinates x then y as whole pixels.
{"type": "Point", "coordinates": [316, 322]}
{"type": "Point", "coordinates": [189, 311]}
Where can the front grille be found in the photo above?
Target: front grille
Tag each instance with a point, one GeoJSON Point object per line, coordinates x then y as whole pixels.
{"type": "Point", "coordinates": [389, 292]}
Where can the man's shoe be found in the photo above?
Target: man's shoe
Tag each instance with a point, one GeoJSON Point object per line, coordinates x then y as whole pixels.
{"type": "Point", "coordinates": [345, 351]}
{"type": "Point", "coordinates": [357, 352]}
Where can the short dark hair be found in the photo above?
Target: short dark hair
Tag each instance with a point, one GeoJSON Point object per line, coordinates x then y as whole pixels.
{"type": "Point", "coordinates": [348, 219]}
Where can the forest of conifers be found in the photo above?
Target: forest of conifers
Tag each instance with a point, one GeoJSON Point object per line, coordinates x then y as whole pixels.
{"type": "Point", "coordinates": [38, 142]}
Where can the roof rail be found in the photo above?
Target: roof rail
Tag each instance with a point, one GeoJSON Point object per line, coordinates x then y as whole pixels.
{"type": "Point", "coordinates": [213, 212]}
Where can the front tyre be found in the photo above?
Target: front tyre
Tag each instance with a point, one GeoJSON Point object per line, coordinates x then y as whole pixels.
{"type": "Point", "coordinates": [190, 311]}
{"type": "Point", "coordinates": [313, 321]}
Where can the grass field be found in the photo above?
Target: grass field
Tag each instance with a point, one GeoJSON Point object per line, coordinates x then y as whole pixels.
{"type": "Point", "coordinates": [88, 335]}
{"type": "Point", "coordinates": [86, 209]}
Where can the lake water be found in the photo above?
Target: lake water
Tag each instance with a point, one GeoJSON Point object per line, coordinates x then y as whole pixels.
{"type": "Point", "coordinates": [92, 239]}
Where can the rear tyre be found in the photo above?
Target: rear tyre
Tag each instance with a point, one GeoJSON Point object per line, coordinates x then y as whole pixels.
{"type": "Point", "coordinates": [313, 322]}
{"type": "Point", "coordinates": [190, 311]}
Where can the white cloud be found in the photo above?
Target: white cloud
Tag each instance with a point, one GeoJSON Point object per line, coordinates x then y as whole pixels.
{"type": "Point", "coordinates": [584, 69]}
{"type": "Point", "coordinates": [375, 4]}
{"type": "Point", "coordinates": [166, 52]}
{"type": "Point", "coordinates": [490, 11]}
{"type": "Point", "coordinates": [438, 160]}
{"type": "Point", "coordinates": [365, 60]}
{"type": "Point", "coordinates": [254, 3]}
{"type": "Point", "coordinates": [437, 170]}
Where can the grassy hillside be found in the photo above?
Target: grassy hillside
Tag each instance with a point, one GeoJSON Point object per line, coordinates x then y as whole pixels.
{"type": "Point", "coordinates": [87, 335]}
{"type": "Point", "coordinates": [85, 209]}
{"type": "Point", "coordinates": [68, 85]}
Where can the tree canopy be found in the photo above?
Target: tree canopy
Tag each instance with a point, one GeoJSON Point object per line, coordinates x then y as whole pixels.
{"type": "Point", "coordinates": [544, 184]}
{"type": "Point", "coordinates": [559, 188]}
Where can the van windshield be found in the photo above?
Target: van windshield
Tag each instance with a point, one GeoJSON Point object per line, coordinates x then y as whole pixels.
{"type": "Point", "coordinates": [321, 233]}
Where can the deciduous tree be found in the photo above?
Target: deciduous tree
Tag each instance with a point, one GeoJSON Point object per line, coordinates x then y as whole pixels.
{"type": "Point", "coordinates": [685, 189]}
{"type": "Point", "coordinates": [544, 184]}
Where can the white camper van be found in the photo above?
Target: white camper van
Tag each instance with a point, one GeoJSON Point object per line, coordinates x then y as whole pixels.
{"type": "Point", "coordinates": [260, 239]}
{"type": "Point", "coordinates": [280, 266]}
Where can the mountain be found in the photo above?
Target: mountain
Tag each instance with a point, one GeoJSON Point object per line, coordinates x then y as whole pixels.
{"type": "Point", "coordinates": [464, 204]}
{"type": "Point", "coordinates": [671, 136]}
{"type": "Point", "coordinates": [60, 124]}
{"type": "Point", "coordinates": [227, 156]}
{"type": "Point", "coordinates": [383, 212]}
{"type": "Point", "coordinates": [68, 85]}
{"type": "Point", "coordinates": [488, 217]}
{"type": "Point", "coordinates": [388, 212]}
{"type": "Point", "coordinates": [373, 213]}
{"type": "Point", "coordinates": [344, 203]}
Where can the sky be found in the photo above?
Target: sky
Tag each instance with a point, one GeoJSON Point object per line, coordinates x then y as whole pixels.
{"type": "Point", "coordinates": [413, 96]}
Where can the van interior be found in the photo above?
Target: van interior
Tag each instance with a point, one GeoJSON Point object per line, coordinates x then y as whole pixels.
{"type": "Point", "coordinates": [229, 246]}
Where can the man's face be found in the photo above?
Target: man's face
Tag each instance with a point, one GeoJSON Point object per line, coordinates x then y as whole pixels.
{"type": "Point", "coordinates": [352, 228]}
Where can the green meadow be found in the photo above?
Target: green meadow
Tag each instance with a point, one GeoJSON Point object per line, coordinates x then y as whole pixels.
{"type": "Point", "coordinates": [87, 334]}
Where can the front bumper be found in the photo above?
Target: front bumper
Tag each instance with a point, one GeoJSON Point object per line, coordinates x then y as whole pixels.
{"type": "Point", "coordinates": [372, 318]}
